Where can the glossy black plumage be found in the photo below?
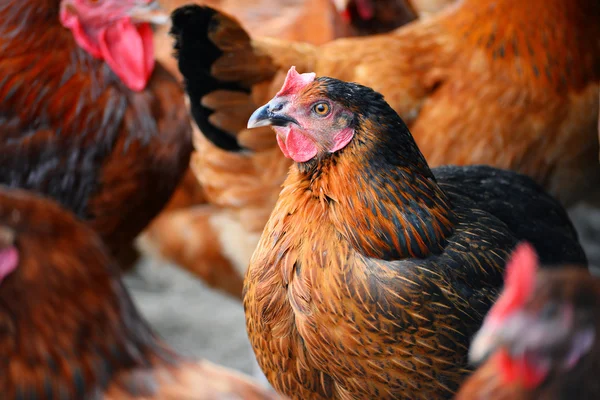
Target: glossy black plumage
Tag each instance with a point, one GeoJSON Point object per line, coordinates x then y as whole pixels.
{"type": "Point", "coordinates": [196, 55]}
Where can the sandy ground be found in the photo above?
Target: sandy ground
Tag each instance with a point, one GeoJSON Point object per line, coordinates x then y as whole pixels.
{"type": "Point", "coordinates": [192, 317]}
{"type": "Point", "coordinates": [203, 323]}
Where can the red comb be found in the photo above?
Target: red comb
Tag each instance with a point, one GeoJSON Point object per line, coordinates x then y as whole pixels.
{"type": "Point", "coordinates": [295, 81]}
{"type": "Point", "coordinates": [519, 281]}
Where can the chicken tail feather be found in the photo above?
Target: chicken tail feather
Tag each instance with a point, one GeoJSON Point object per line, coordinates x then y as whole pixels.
{"type": "Point", "coordinates": [215, 55]}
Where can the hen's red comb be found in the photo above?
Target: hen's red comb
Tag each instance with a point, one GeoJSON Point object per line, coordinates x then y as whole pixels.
{"type": "Point", "coordinates": [519, 281]}
{"type": "Point", "coordinates": [295, 81]}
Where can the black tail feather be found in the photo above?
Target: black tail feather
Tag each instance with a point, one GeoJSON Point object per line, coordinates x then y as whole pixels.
{"type": "Point", "coordinates": [192, 25]}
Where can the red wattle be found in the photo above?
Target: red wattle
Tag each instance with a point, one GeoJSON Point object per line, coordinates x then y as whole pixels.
{"type": "Point", "coordinates": [128, 50]}
{"type": "Point", "coordinates": [296, 146]}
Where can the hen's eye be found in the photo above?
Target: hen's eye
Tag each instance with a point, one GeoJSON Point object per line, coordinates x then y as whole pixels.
{"type": "Point", "coordinates": [321, 109]}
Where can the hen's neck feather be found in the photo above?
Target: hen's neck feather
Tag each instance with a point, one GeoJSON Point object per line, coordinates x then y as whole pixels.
{"type": "Point", "coordinates": [379, 192]}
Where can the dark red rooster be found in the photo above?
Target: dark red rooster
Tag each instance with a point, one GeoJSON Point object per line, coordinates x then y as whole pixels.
{"type": "Point", "coordinates": [68, 329]}
{"type": "Point", "coordinates": [374, 271]}
{"type": "Point", "coordinates": [543, 333]}
{"type": "Point", "coordinates": [86, 116]}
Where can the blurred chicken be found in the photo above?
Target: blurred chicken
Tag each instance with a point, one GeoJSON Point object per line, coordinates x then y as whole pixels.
{"type": "Point", "coordinates": [384, 10]}
{"type": "Point", "coordinates": [87, 117]}
{"type": "Point", "coordinates": [508, 83]}
{"type": "Point", "coordinates": [374, 271]}
{"type": "Point", "coordinates": [69, 330]}
{"type": "Point", "coordinates": [543, 333]}
{"type": "Point", "coordinates": [369, 17]}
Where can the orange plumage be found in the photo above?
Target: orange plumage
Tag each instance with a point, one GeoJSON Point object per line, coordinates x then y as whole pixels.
{"type": "Point", "coordinates": [68, 328]}
{"type": "Point", "coordinates": [73, 130]}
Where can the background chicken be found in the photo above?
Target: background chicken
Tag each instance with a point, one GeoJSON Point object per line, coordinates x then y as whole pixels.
{"type": "Point", "coordinates": [369, 17]}
{"type": "Point", "coordinates": [480, 82]}
{"type": "Point", "coordinates": [88, 118]}
{"type": "Point", "coordinates": [543, 333]}
{"type": "Point", "coordinates": [374, 271]}
{"type": "Point", "coordinates": [68, 328]}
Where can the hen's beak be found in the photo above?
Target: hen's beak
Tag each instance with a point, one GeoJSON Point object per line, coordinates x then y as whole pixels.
{"type": "Point", "coordinates": [149, 11]}
{"type": "Point", "coordinates": [270, 114]}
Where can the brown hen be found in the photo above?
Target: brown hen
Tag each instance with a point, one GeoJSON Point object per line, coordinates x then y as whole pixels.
{"type": "Point", "coordinates": [374, 271]}
{"type": "Point", "coordinates": [508, 83]}
{"type": "Point", "coordinates": [543, 336]}
{"type": "Point", "coordinates": [86, 117]}
{"type": "Point", "coordinates": [68, 328]}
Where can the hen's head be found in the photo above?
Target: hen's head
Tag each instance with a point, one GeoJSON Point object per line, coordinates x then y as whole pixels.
{"type": "Point", "coordinates": [318, 117]}
{"type": "Point", "coordinates": [543, 321]}
{"type": "Point", "coordinates": [118, 32]}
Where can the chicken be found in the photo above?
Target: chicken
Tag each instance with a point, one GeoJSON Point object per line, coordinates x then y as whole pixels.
{"type": "Point", "coordinates": [542, 333]}
{"type": "Point", "coordinates": [374, 270]}
{"type": "Point", "coordinates": [68, 328]}
{"type": "Point", "coordinates": [369, 17]}
{"type": "Point", "coordinates": [87, 118]}
{"type": "Point", "coordinates": [507, 83]}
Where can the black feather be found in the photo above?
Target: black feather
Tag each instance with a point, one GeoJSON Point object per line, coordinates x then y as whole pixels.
{"type": "Point", "coordinates": [196, 54]}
